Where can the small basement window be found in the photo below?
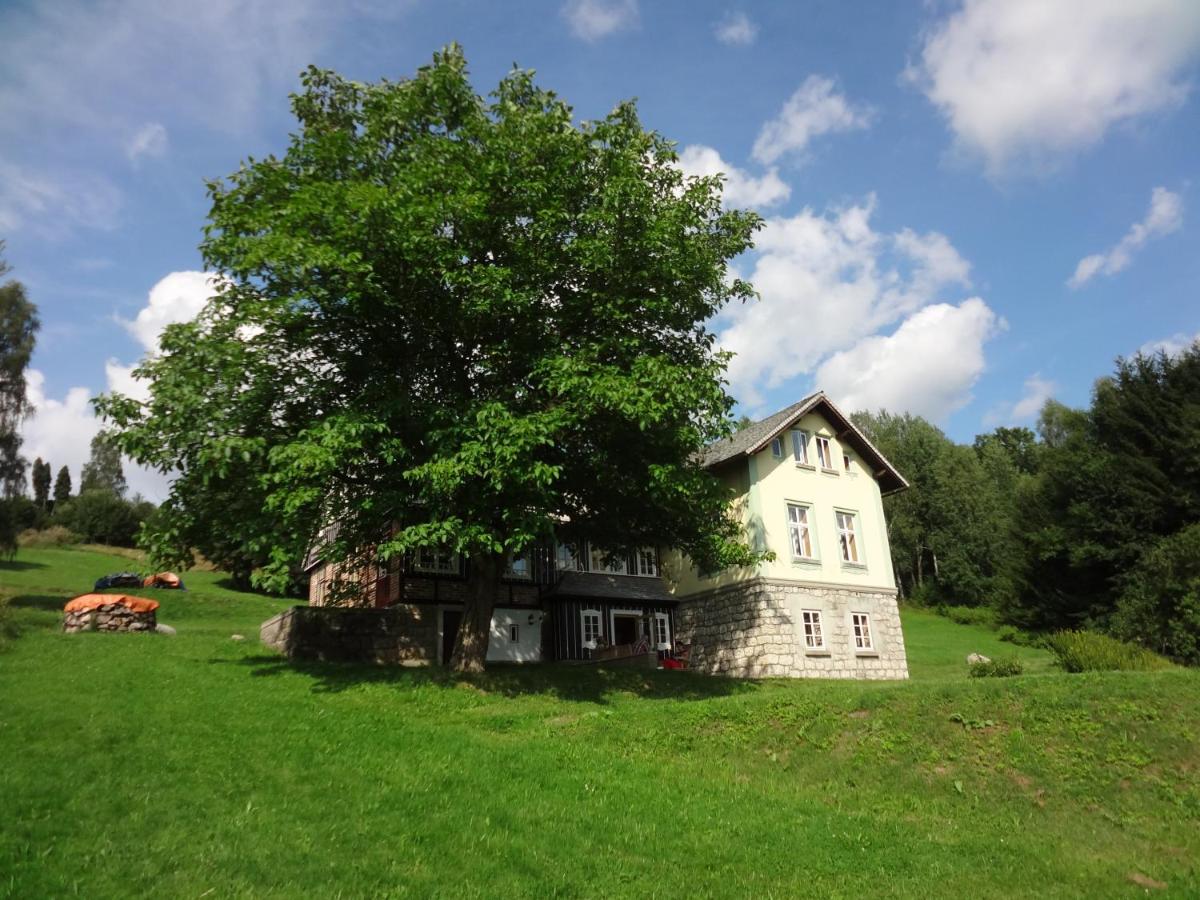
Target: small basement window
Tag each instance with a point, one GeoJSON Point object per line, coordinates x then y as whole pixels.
{"type": "Point", "coordinates": [814, 637]}
{"type": "Point", "coordinates": [861, 623]}
{"type": "Point", "coordinates": [514, 633]}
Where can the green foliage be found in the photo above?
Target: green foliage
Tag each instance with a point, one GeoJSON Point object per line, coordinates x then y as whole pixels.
{"type": "Point", "coordinates": [62, 486]}
{"type": "Point", "coordinates": [468, 319]}
{"type": "Point", "coordinates": [1160, 606]}
{"type": "Point", "coordinates": [18, 332]}
{"type": "Point", "coordinates": [1090, 651]}
{"type": "Point", "coordinates": [53, 536]}
{"type": "Point", "coordinates": [10, 527]}
{"type": "Point", "coordinates": [41, 483]}
{"type": "Point", "coordinates": [996, 668]}
{"type": "Point", "coordinates": [951, 532]}
{"type": "Point", "coordinates": [102, 517]}
{"type": "Point", "coordinates": [103, 471]}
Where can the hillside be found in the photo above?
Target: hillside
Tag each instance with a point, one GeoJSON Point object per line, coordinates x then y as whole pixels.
{"type": "Point", "coordinates": [200, 765]}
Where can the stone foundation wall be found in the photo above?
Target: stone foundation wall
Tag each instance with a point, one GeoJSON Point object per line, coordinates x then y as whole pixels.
{"type": "Point", "coordinates": [755, 630]}
{"type": "Point", "coordinates": [110, 617]}
{"type": "Point", "coordinates": [406, 634]}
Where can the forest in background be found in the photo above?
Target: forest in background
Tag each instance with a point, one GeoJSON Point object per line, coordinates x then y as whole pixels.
{"type": "Point", "coordinates": [1091, 521]}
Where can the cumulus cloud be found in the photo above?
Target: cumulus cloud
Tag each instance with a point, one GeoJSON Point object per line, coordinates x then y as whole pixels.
{"type": "Point", "coordinates": [816, 108]}
{"type": "Point", "coordinates": [736, 29]}
{"type": "Point", "coordinates": [926, 367]}
{"type": "Point", "coordinates": [741, 188]}
{"type": "Point", "coordinates": [1172, 346]}
{"type": "Point", "coordinates": [61, 431]}
{"type": "Point", "coordinates": [1164, 216]}
{"type": "Point", "coordinates": [1037, 391]}
{"type": "Point", "coordinates": [55, 204]}
{"type": "Point", "coordinates": [591, 20]}
{"type": "Point", "coordinates": [826, 281]}
{"type": "Point", "coordinates": [1026, 82]}
{"type": "Point", "coordinates": [149, 140]}
{"type": "Point", "coordinates": [177, 297]}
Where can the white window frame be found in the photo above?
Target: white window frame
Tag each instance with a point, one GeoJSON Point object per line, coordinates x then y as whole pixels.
{"type": "Point", "coordinates": [825, 453]}
{"type": "Point", "coordinates": [777, 447]}
{"type": "Point", "coordinates": [511, 572]}
{"type": "Point", "coordinates": [439, 562]}
{"type": "Point", "coordinates": [646, 560]}
{"type": "Point", "coordinates": [567, 560]}
{"type": "Point", "coordinates": [803, 527]}
{"type": "Point", "coordinates": [639, 614]}
{"type": "Point", "coordinates": [800, 447]}
{"type": "Point", "coordinates": [598, 620]}
{"type": "Point", "coordinates": [860, 629]}
{"type": "Point", "coordinates": [596, 563]}
{"type": "Point", "coordinates": [662, 631]}
{"type": "Point", "coordinates": [813, 630]}
{"type": "Point", "coordinates": [848, 536]}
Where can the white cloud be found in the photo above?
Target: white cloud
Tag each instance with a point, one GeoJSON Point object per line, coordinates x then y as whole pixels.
{"type": "Point", "coordinates": [1037, 391]}
{"type": "Point", "coordinates": [1164, 216]}
{"type": "Point", "coordinates": [827, 281]}
{"type": "Point", "coordinates": [1172, 346]}
{"type": "Point", "coordinates": [54, 204]}
{"type": "Point", "coordinates": [741, 188]}
{"type": "Point", "coordinates": [816, 108]}
{"type": "Point", "coordinates": [177, 297]}
{"type": "Point", "coordinates": [736, 29]}
{"type": "Point", "coordinates": [149, 140]}
{"type": "Point", "coordinates": [1025, 82]}
{"type": "Point", "coordinates": [927, 367]}
{"type": "Point", "coordinates": [61, 431]}
{"type": "Point", "coordinates": [591, 20]}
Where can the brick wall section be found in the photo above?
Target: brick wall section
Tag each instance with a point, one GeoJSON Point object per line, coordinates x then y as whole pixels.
{"type": "Point", "coordinates": [754, 630]}
{"type": "Point", "coordinates": [406, 634]}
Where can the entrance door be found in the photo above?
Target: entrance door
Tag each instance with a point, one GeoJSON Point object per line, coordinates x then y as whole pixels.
{"type": "Point", "coordinates": [625, 629]}
{"type": "Point", "coordinates": [451, 619]}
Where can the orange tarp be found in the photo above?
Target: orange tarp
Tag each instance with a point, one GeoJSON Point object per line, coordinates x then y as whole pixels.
{"type": "Point", "coordinates": [92, 601]}
{"type": "Point", "coordinates": [162, 579]}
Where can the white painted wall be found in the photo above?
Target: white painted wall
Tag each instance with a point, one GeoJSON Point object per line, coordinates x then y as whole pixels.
{"type": "Point", "coordinates": [527, 647]}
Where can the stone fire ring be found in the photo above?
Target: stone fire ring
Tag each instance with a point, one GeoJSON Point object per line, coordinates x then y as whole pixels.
{"type": "Point", "coordinates": [109, 612]}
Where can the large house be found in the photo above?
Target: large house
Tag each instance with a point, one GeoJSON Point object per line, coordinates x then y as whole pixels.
{"type": "Point", "coordinates": [807, 484]}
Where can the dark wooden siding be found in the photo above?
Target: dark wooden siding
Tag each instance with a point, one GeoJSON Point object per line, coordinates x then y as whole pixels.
{"type": "Point", "coordinates": [567, 625]}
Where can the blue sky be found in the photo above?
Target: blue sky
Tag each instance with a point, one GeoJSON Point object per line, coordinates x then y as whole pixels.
{"type": "Point", "coordinates": [971, 207]}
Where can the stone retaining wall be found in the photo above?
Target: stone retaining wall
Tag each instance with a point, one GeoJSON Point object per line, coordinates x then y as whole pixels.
{"type": "Point", "coordinates": [109, 617]}
{"type": "Point", "coordinates": [754, 630]}
{"type": "Point", "coordinates": [406, 634]}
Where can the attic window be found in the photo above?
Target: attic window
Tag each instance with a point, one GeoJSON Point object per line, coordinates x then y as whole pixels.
{"type": "Point", "coordinates": [824, 453]}
{"type": "Point", "coordinates": [846, 461]}
{"type": "Point", "coordinates": [800, 447]}
{"type": "Point", "coordinates": [777, 448]}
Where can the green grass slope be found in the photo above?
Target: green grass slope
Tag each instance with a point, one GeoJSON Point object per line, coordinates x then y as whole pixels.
{"type": "Point", "coordinates": [201, 766]}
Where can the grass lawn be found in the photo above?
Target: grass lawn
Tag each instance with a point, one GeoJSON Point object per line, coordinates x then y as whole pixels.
{"type": "Point", "coordinates": [202, 766]}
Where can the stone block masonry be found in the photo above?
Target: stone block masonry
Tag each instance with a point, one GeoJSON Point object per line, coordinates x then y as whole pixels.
{"type": "Point", "coordinates": [755, 630]}
{"type": "Point", "coordinates": [406, 634]}
{"type": "Point", "coordinates": [109, 617]}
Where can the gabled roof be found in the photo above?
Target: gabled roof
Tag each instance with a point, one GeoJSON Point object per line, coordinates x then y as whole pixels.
{"type": "Point", "coordinates": [757, 435]}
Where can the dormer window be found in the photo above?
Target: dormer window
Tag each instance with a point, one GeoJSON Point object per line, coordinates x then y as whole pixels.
{"type": "Point", "coordinates": [824, 453]}
{"type": "Point", "coordinates": [800, 447]}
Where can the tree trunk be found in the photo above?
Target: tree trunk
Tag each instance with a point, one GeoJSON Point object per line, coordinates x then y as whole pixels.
{"type": "Point", "coordinates": [470, 647]}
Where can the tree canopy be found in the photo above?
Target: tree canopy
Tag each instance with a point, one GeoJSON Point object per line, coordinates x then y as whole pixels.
{"type": "Point", "coordinates": [449, 320]}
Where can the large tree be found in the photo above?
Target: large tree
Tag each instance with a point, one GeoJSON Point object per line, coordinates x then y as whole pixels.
{"type": "Point", "coordinates": [41, 483]}
{"type": "Point", "coordinates": [103, 471]}
{"type": "Point", "coordinates": [445, 320]}
{"type": "Point", "coordinates": [62, 487]}
{"type": "Point", "coordinates": [18, 332]}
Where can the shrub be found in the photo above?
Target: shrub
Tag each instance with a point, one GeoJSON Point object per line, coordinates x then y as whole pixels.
{"type": "Point", "coordinates": [1160, 607]}
{"type": "Point", "coordinates": [1011, 635]}
{"type": "Point", "coordinates": [983, 616]}
{"type": "Point", "coordinates": [996, 668]}
{"type": "Point", "coordinates": [102, 517]}
{"type": "Point", "coordinates": [1090, 651]}
{"type": "Point", "coordinates": [54, 536]}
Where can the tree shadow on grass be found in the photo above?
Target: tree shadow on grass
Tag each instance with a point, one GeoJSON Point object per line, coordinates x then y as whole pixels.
{"type": "Point", "coordinates": [48, 602]}
{"type": "Point", "coordinates": [584, 684]}
{"type": "Point", "coordinates": [20, 565]}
